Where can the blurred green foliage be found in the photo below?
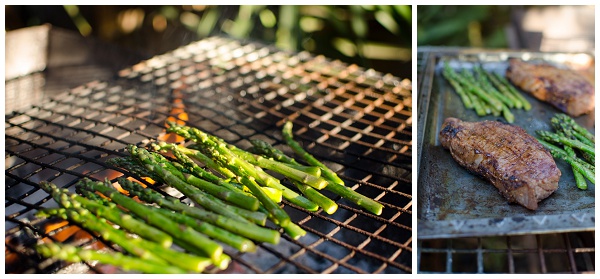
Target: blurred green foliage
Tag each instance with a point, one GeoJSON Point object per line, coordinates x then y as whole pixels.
{"type": "Point", "coordinates": [469, 26]}
{"type": "Point", "coordinates": [365, 35]}
{"type": "Point", "coordinates": [355, 32]}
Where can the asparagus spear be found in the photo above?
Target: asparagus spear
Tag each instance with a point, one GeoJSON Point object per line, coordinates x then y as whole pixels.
{"type": "Point", "coordinates": [321, 200]}
{"type": "Point", "coordinates": [549, 136]}
{"type": "Point", "coordinates": [256, 217]}
{"type": "Point", "coordinates": [195, 154]}
{"type": "Point", "coordinates": [226, 193]}
{"type": "Point", "coordinates": [236, 198]}
{"type": "Point", "coordinates": [217, 151]}
{"type": "Point", "coordinates": [311, 170]}
{"type": "Point", "coordinates": [478, 105]}
{"type": "Point", "coordinates": [262, 147]}
{"type": "Point", "coordinates": [183, 233]}
{"type": "Point", "coordinates": [245, 229]}
{"type": "Point", "coordinates": [589, 158]}
{"type": "Point", "coordinates": [142, 248]}
{"type": "Point", "coordinates": [286, 170]}
{"type": "Point", "coordinates": [586, 169]}
{"type": "Point", "coordinates": [513, 90]}
{"type": "Point", "coordinates": [560, 124]}
{"type": "Point", "coordinates": [181, 153]}
{"type": "Point", "coordinates": [494, 95]}
{"type": "Point", "coordinates": [495, 83]}
{"type": "Point", "coordinates": [251, 215]}
{"type": "Point", "coordinates": [184, 155]}
{"type": "Point", "coordinates": [570, 123]}
{"type": "Point", "coordinates": [582, 138]}
{"type": "Point", "coordinates": [221, 263]}
{"type": "Point", "coordinates": [459, 90]}
{"type": "Point", "coordinates": [290, 228]}
{"type": "Point", "coordinates": [485, 84]}
{"type": "Point", "coordinates": [114, 215]}
{"type": "Point", "coordinates": [579, 179]}
{"type": "Point", "coordinates": [233, 240]}
{"type": "Point", "coordinates": [131, 165]}
{"type": "Point", "coordinates": [119, 239]}
{"type": "Point", "coordinates": [294, 231]}
{"type": "Point", "coordinates": [468, 81]}
{"type": "Point", "coordinates": [510, 118]}
{"type": "Point", "coordinates": [71, 253]}
{"type": "Point", "coordinates": [232, 194]}
{"type": "Point", "coordinates": [325, 171]}
{"type": "Point", "coordinates": [272, 188]}
{"type": "Point", "coordinates": [171, 176]}
{"type": "Point", "coordinates": [110, 212]}
{"type": "Point", "coordinates": [241, 167]}
{"type": "Point", "coordinates": [281, 216]}
{"type": "Point", "coordinates": [242, 244]}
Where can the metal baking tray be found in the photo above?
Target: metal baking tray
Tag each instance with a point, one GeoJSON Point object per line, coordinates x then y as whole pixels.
{"type": "Point", "coordinates": [455, 203]}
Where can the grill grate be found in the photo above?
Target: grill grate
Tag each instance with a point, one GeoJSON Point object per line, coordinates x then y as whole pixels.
{"type": "Point", "coordinates": [355, 120]}
{"type": "Point", "coordinates": [534, 253]}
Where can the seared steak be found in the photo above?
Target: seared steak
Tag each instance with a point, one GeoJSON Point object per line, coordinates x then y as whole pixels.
{"type": "Point", "coordinates": [565, 89]}
{"type": "Point", "coordinates": [512, 160]}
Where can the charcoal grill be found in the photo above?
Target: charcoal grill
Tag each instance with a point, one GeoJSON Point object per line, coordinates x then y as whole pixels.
{"type": "Point", "coordinates": [357, 121]}
{"type": "Point", "coordinates": [489, 247]}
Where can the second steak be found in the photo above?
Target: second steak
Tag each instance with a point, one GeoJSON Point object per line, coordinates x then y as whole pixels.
{"type": "Point", "coordinates": [512, 160]}
{"type": "Point", "coordinates": [564, 89]}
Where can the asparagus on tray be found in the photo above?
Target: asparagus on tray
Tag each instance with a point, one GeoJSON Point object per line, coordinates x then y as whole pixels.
{"type": "Point", "coordinates": [513, 90]}
{"type": "Point", "coordinates": [569, 123]}
{"type": "Point", "coordinates": [486, 93]}
{"type": "Point", "coordinates": [582, 166]}
{"type": "Point", "coordinates": [577, 173]}
{"type": "Point", "coordinates": [561, 139]}
{"type": "Point", "coordinates": [565, 136]}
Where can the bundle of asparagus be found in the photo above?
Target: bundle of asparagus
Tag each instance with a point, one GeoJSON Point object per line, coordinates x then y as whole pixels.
{"type": "Point", "coordinates": [485, 92]}
{"type": "Point", "coordinates": [151, 246]}
{"type": "Point", "coordinates": [577, 147]}
{"type": "Point", "coordinates": [246, 168]}
{"type": "Point", "coordinates": [233, 207]}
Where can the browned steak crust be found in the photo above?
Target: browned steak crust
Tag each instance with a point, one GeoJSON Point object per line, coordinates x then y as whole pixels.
{"type": "Point", "coordinates": [565, 89]}
{"type": "Point", "coordinates": [512, 160]}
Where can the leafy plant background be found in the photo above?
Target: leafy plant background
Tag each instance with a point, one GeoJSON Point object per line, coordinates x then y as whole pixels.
{"type": "Point", "coordinates": [371, 36]}
{"type": "Point", "coordinates": [468, 26]}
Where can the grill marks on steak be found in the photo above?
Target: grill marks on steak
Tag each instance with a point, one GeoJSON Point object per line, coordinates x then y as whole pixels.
{"type": "Point", "coordinates": [565, 89]}
{"type": "Point", "coordinates": [512, 160]}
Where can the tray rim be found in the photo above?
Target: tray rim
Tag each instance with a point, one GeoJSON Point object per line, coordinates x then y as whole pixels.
{"type": "Point", "coordinates": [583, 220]}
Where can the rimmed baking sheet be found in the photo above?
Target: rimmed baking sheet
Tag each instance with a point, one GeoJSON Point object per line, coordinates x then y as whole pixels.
{"type": "Point", "coordinates": [455, 203]}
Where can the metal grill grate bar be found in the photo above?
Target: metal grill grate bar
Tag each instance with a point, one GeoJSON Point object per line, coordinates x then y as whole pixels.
{"type": "Point", "coordinates": [539, 253]}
